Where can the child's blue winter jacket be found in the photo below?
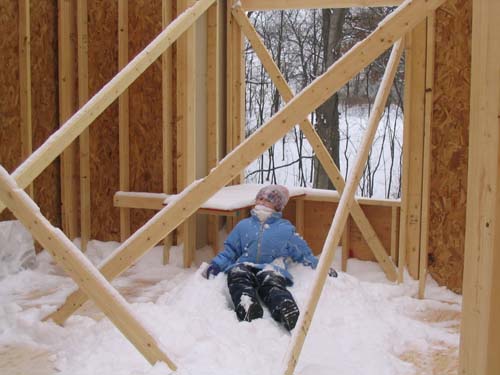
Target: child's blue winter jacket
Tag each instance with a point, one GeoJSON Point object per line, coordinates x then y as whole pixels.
{"type": "Point", "coordinates": [263, 245]}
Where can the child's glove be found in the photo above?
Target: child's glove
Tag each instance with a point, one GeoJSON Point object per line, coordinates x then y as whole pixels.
{"type": "Point", "coordinates": [212, 270]}
{"type": "Point", "coordinates": [332, 273]}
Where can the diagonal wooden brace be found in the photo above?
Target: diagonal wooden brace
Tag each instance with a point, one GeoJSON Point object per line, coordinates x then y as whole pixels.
{"type": "Point", "coordinates": [393, 27]}
{"type": "Point", "coordinates": [81, 270]}
{"type": "Point", "coordinates": [339, 220]}
{"type": "Point", "coordinates": [317, 144]}
{"type": "Point", "coordinates": [67, 133]}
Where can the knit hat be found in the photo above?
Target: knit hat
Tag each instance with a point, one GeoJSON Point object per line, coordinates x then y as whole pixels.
{"type": "Point", "coordinates": [277, 195]}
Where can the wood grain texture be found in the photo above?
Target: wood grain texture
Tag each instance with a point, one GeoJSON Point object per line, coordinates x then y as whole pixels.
{"type": "Point", "coordinates": [10, 120]}
{"type": "Point", "coordinates": [103, 65]}
{"type": "Point", "coordinates": [449, 144]}
{"type": "Point", "coordinates": [44, 101]}
{"type": "Point", "coordinates": [145, 101]}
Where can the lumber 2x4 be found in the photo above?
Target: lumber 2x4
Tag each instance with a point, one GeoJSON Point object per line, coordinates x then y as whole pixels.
{"type": "Point", "coordinates": [123, 119]}
{"type": "Point", "coordinates": [167, 119]}
{"type": "Point", "coordinates": [314, 4]}
{"type": "Point", "coordinates": [395, 26]}
{"type": "Point", "coordinates": [81, 270]}
{"type": "Point", "coordinates": [84, 140]}
{"type": "Point", "coordinates": [342, 212]}
{"type": "Point", "coordinates": [480, 328]}
{"type": "Point", "coordinates": [67, 101]}
{"type": "Point", "coordinates": [186, 127]}
{"type": "Point", "coordinates": [214, 26]}
{"type": "Point", "coordinates": [74, 126]}
{"type": "Point", "coordinates": [25, 81]}
{"type": "Point", "coordinates": [318, 146]}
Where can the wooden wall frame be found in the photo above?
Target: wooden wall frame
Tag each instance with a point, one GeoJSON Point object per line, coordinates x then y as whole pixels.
{"type": "Point", "coordinates": [480, 329]}
{"type": "Point", "coordinates": [316, 142]}
{"type": "Point", "coordinates": [25, 82]}
{"type": "Point", "coordinates": [419, 76]}
{"type": "Point", "coordinates": [84, 139]}
{"type": "Point", "coordinates": [123, 118]}
{"type": "Point", "coordinates": [67, 103]}
{"type": "Point", "coordinates": [398, 23]}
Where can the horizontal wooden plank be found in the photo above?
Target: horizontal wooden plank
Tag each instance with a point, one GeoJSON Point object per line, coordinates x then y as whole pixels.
{"type": "Point", "coordinates": [333, 196]}
{"type": "Point", "coordinates": [314, 4]}
{"type": "Point", "coordinates": [150, 201]}
{"type": "Point", "coordinates": [156, 201]}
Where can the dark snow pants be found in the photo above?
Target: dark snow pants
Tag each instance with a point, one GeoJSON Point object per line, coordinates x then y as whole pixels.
{"type": "Point", "coordinates": [269, 285]}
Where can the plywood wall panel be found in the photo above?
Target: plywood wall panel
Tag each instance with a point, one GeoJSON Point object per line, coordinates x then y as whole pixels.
{"type": "Point", "coordinates": [45, 101]}
{"type": "Point", "coordinates": [380, 219]}
{"type": "Point", "coordinates": [10, 133]}
{"type": "Point", "coordinates": [103, 65]}
{"type": "Point", "coordinates": [145, 107]}
{"type": "Point", "coordinates": [318, 217]}
{"type": "Point", "coordinates": [450, 126]}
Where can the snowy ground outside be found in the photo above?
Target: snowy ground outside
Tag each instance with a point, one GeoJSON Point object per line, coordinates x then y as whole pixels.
{"type": "Point", "coordinates": [363, 325]}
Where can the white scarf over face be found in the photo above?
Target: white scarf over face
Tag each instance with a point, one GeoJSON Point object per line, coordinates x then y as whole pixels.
{"type": "Point", "coordinates": [263, 212]}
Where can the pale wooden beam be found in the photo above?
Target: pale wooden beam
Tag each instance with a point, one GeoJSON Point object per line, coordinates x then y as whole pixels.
{"type": "Point", "coordinates": [186, 126]}
{"type": "Point", "coordinates": [414, 109]}
{"type": "Point", "coordinates": [341, 214]}
{"type": "Point", "coordinates": [319, 195]}
{"type": "Point", "coordinates": [81, 270]}
{"type": "Point", "coordinates": [123, 119]}
{"type": "Point", "coordinates": [480, 327]}
{"type": "Point", "coordinates": [314, 4]}
{"type": "Point", "coordinates": [403, 217]}
{"type": "Point", "coordinates": [156, 201]}
{"type": "Point", "coordinates": [394, 233]}
{"type": "Point", "coordinates": [167, 86]}
{"type": "Point", "coordinates": [299, 216]}
{"type": "Point", "coordinates": [346, 244]}
{"type": "Point", "coordinates": [319, 148]}
{"type": "Point", "coordinates": [362, 54]}
{"type": "Point", "coordinates": [235, 89]}
{"type": "Point", "coordinates": [426, 162]}
{"type": "Point", "coordinates": [66, 109]}
{"type": "Point", "coordinates": [74, 126]}
{"type": "Point", "coordinates": [25, 82]}
{"type": "Point", "coordinates": [151, 201]}
{"type": "Point", "coordinates": [84, 140]}
{"type": "Point", "coordinates": [213, 108]}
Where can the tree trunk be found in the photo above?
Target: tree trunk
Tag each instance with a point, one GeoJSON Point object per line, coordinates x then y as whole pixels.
{"type": "Point", "coordinates": [327, 124]}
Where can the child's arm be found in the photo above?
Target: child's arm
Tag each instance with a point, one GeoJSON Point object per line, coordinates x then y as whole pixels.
{"type": "Point", "coordinates": [232, 250]}
{"type": "Point", "coordinates": [300, 251]}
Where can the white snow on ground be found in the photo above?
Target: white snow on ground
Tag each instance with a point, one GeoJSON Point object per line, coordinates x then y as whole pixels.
{"type": "Point", "coordinates": [363, 323]}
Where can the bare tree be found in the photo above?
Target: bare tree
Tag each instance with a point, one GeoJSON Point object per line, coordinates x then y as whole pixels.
{"type": "Point", "coordinates": [327, 124]}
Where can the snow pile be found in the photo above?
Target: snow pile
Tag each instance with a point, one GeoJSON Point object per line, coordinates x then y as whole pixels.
{"type": "Point", "coordinates": [363, 323]}
{"type": "Point", "coordinates": [17, 250]}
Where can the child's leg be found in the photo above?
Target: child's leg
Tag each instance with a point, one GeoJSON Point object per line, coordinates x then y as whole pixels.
{"type": "Point", "coordinates": [278, 298]}
{"type": "Point", "coordinates": [242, 282]}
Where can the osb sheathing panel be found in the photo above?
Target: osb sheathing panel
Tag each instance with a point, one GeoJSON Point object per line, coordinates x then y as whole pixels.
{"type": "Point", "coordinates": [103, 65]}
{"type": "Point", "coordinates": [318, 217]}
{"type": "Point", "coordinates": [145, 103]}
{"type": "Point", "coordinates": [450, 125]}
{"type": "Point", "coordinates": [10, 135]}
{"type": "Point", "coordinates": [44, 98]}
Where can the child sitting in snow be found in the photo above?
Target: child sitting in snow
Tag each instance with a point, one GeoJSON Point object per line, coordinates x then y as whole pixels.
{"type": "Point", "coordinates": [255, 257]}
